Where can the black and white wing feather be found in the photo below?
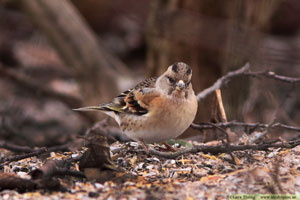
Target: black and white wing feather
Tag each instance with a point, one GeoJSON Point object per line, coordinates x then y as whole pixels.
{"type": "Point", "coordinates": [128, 101]}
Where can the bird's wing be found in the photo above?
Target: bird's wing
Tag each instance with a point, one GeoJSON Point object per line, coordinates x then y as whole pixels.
{"type": "Point", "coordinates": [134, 101]}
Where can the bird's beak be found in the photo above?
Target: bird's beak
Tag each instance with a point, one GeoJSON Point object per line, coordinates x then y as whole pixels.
{"type": "Point", "coordinates": [180, 85]}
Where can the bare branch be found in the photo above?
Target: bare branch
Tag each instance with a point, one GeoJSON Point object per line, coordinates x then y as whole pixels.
{"type": "Point", "coordinates": [272, 75]}
{"type": "Point", "coordinates": [244, 71]}
{"type": "Point", "coordinates": [204, 126]}
{"type": "Point", "coordinates": [221, 81]}
{"type": "Point", "coordinates": [224, 148]}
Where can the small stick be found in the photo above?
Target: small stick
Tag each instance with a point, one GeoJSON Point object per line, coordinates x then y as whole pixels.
{"type": "Point", "coordinates": [221, 106]}
{"type": "Point", "coordinates": [204, 126]}
{"type": "Point", "coordinates": [224, 148]}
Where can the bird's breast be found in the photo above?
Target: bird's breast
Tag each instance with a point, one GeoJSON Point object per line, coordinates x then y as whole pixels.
{"type": "Point", "coordinates": [167, 119]}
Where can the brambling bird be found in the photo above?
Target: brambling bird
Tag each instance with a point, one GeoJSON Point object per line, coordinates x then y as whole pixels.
{"type": "Point", "coordinates": [157, 109]}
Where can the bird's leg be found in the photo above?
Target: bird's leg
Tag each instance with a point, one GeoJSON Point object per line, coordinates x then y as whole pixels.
{"type": "Point", "coordinates": [168, 148]}
{"type": "Point", "coordinates": [144, 146]}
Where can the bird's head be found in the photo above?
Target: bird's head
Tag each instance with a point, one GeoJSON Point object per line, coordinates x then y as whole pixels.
{"type": "Point", "coordinates": [176, 81]}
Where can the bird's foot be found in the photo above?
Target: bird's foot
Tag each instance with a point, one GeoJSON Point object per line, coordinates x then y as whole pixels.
{"type": "Point", "coordinates": [145, 146]}
{"type": "Point", "coordinates": [167, 148]}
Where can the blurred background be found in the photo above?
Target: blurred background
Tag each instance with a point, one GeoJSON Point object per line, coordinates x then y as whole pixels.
{"type": "Point", "coordinates": [57, 55]}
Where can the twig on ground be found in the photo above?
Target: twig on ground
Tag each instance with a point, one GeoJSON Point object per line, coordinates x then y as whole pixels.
{"type": "Point", "coordinates": [203, 126]}
{"type": "Point", "coordinates": [9, 181]}
{"type": "Point", "coordinates": [255, 137]}
{"type": "Point", "coordinates": [36, 152]}
{"type": "Point", "coordinates": [56, 168]}
{"type": "Point", "coordinates": [69, 172]}
{"type": "Point", "coordinates": [224, 149]}
{"type": "Point", "coordinates": [15, 148]}
{"type": "Point", "coordinates": [42, 178]}
{"type": "Point", "coordinates": [223, 131]}
{"type": "Point", "coordinates": [7, 160]}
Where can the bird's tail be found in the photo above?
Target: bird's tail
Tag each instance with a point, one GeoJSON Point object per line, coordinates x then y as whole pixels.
{"type": "Point", "coordinates": [104, 107]}
{"type": "Point", "coordinates": [90, 108]}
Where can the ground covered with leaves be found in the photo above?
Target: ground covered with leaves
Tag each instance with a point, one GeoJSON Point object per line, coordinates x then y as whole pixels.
{"type": "Point", "coordinates": [190, 176]}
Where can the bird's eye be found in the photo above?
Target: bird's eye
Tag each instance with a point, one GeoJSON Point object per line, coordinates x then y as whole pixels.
{"type": "Point", "coordinates": [172, 81]}
{"type": "Point", "coordinates": [188, 83]}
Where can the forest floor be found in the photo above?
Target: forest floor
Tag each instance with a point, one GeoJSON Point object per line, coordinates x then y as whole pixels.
{"type": "Point", "coordinates": [190, 176]}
